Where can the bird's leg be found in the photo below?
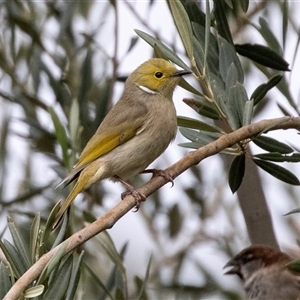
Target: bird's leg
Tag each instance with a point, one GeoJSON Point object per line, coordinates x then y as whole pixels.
{"type": "Point", "coordinates": [155, 172]}
{"type": "Point", "coordinates": [139, 197]}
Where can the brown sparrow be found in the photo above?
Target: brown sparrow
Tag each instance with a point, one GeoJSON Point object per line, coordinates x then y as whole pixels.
{"type": "Point", "coordinates": [264, 274]}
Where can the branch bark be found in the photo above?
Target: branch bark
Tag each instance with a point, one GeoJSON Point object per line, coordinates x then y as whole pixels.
{"type": "Point", "coordinates": [110, 218]}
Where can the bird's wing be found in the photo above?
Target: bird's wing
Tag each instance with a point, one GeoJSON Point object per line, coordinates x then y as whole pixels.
{"type": "Point", "coordinates": [110, 134]}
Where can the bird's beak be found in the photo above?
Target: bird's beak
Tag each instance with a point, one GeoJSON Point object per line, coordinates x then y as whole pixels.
{"type": "Point", "coordinates": [181, 73]}
{"type": "Point", "coordinates": [234, 267]}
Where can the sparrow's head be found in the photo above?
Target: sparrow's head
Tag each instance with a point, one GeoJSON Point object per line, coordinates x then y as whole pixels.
{"type": "Point", "coordinates": [254, 258]}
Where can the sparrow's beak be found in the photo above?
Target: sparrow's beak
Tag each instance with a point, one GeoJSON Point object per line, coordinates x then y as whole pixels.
{"type": "Point", "coordinates": [234, 267]}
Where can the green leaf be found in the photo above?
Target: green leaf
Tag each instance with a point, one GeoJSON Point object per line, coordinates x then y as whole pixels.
{"type": "Point", "coordinates": [13, 257]}
{"type": "Point", "coordinates": [52, 263]}
{"type": "Point", "coordinates": [110, 249]}
{"type": "Point", "coordinates": [261, 91]}
{"type": "Point", "coordinates": [278, 172]}
{"type": "Point", "coordinates": [236, 172]}
{"type": "Point", "coordinates": [269, 36]}
{"type": "Point", "coordinates": [49, 222]}
{"type": "Point", "coordinates": [5, 283]}
{"type": "Point", "coordinates": [61, 135]}
{"type": "Point", "coordinates": [227, 57]}
{"type": "Point", "coordinates": [221, 20]}
{"type": "Point", "coordinates": [185, 85]}
{"type": "Point", "coordinates": [212, 54]}
{"type": "Point", "coordinates": [19, 242]}
{"type": "Point", "coordinates": [262, 55]}
{"type": "Point", "coordinates": [200, 139]}
{"type": "Point", "coordinates": [278, 157]}
{"type": "Point", "coordinates": [272, 145]}
{"type": "Point", "coordinates": [194, 12]}
{"type": "Point", "coordinates": [244, 5]}
{"type": "Point", "coordinates": [248, 112]}
{"type": "Point", "coordinates": [202, 107]}
{"type": "Point", "coordinates": [58, 286]}
{"type": "Point", "coordinates": [175, 220]}
{"type": "Point", "coordinates": [74, 280]}
{"type": "Point", "coordinates": [237, 97]}
{"type": "Point", "coordinates": [294, 211]}
{"type": "Point", "coordinates": [34, 291]}
{"type": "Point", "coordinates": [232, 77]}
{"type": "Point", "coordinates": [142, 292]}
{"type": "Point", "coordinates": [196, 124]}
{"type": "Point", "coordinates": [168, 53]}
{"type": "Point", "coordinates": [183, 25]}
{"type": "Point", "coordinates": [34, 238]}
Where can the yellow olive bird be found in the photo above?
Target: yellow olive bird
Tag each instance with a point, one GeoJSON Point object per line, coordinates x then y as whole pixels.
{"type": "Point", "coordinates": [133, 134]}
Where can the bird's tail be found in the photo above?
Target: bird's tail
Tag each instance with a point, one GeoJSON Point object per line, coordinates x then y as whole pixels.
{"type": "Point", "coordinates": [78, 187]}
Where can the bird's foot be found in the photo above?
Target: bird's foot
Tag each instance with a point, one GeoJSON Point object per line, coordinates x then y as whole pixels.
{"type": "Point", "coordinates": [165, 174]}
{"type": "Point", "coordinates": [130, 190]}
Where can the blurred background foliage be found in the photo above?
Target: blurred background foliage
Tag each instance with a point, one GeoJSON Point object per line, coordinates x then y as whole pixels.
{"type": "Point", "coordinates": [60, 73]}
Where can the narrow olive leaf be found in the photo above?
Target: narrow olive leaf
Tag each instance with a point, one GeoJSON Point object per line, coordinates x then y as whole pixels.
{"type": "Point", "coordinates": [169, 53]}
{"type": "Point", "coordinates": [237, 97]}
{"type": "Point", "coordinates": [244, 5]}
{"type": "Point", "coordinates": [74, 123]}
{"type": "Point", "coordinates": [227, 56]}
{"type": "Point", "coordinates": [229, 3]}
{"type": "Point", "coordinates": [106, 293]}
{"type": "Point", "coordinates": [284, 110]}
{"type": "Point", "coordinates": [74, 280]}
{"type": "Point", "coordinates": [262, 55]}
{"type": "Point", "coordinates": [248, 112]}
{"type": "Point", "coordinates": [278, 157]}
{"type": "Point", "coordinates": [142, 292]}
{"type": "Point", "coordinates": [34, 291]}
{"type": "Point", "coordinates": [212, 54]}
{"type": "Point", "coordinates": [294, 266]}
{"type": "Point", "coordinates": [294, 211]}
{"type": "Point", "coordinates": [183, 25]}
{"type": "Point", "coordinates": [185, 85]}
{"type": "Point", "coordinates": [201, 107]}
{"type": "Point", "coordinates": [269, 36]}
{"type": "Point", "coordinates": [196, 124]}
{"type": "Point", "coordinates": [199, 139]}
{"type": "Point", "coordinates": [221, 20]}
{"type": "Point", "coordinates": [207, 34]}
{"type": "Point", "coordinates": [194, 12]}
{"type": "Point", "coordinates": [49, 222]}
{"type": "Point", "coordinates": [16, 263]}
{"type": "Point", "coordinates": [52, 263]}
{"type": "Point", "coordinates": [272, 145]}
{"type": "Point", "coordinates": [109, 247]}
{"type": "Point", "coordinates": [20, 242]}
{"type": "Point", "coordinates": [278, 172]}
{"type": "Point", "coordinates": [58, 287]}
{"type": "Point", "coordinates": [232, 77]}
{"type": "Point", "coordinates": [133, 42]}
{"type": "Point", "coordinates": [236, 172]}
{"type": "Point", "coordinates": [199, 56]}
{"type": "Point", "coordinates": [5, 283]}
{"type": "Point", "coordinates": [261, 91]}
{"type": "Point", "coordinates": [60, 134]}
{"type": "Point", "coordinates": [175, 220]}
{"type": "Point", "coordinates": [285, 21]}
{"type": "Point", "coordinates": [34, 238]}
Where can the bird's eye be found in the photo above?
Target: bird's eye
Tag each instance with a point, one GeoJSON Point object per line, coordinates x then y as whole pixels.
{"type": "Point", "coordinates": [158, 74]}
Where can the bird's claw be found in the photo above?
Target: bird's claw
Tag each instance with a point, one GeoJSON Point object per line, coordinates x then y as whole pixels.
{"type": "Point", "coordinates": [163, 173]}
{"type": "Point", "coordinates": [139, 197]}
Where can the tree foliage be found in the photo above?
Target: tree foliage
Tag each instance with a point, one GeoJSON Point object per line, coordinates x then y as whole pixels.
{"type": "Point", "coordinates": [58, 79]}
